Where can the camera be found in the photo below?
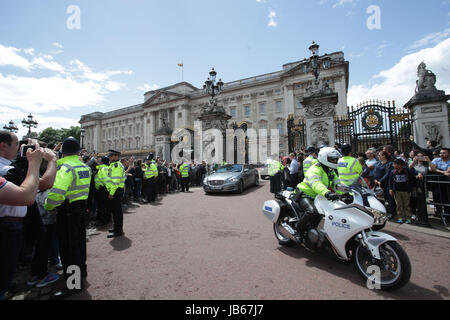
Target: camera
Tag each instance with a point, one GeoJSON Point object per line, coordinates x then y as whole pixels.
{"type": "Point", "coordinates": [25, 148]}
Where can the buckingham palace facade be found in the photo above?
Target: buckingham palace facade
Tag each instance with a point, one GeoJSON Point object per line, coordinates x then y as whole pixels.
{"type": "Point", "coordinates": [262, 102]}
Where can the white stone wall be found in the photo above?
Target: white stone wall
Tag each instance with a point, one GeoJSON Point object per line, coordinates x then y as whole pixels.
{"type": "Point", "coordinates": [135, 129]}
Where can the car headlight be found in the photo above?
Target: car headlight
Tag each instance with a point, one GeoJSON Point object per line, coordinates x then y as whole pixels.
{"type": "Point", "coordinates": [379, 217]}
{"type": "Point", "coordinates": [205, 181]}
{"type": "Point", "coordinates": [231, 180]}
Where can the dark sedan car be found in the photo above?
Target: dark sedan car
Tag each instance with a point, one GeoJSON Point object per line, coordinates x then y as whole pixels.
{"type": "Point", "coordinates": [233, 177]}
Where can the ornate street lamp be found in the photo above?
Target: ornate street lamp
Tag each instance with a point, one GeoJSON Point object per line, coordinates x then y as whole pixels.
{"type": "Point", "coordinates": [211, 87]}
{"type": "Point", "coordinates": [30, 123]}
{"type": "Point", "coordinates": [314, 62]}
{"type": "Point", "coordinates": [82, 131]}
{"type": "Point", "coordinates": [11, 127]}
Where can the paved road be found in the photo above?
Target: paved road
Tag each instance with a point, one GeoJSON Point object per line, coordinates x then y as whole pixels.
{"type": "Point", "coordinates": [197, 246]}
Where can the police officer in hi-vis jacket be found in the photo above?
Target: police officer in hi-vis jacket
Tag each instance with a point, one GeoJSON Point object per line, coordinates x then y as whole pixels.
{"type": "Point", "coordinates": [69, 196]}
{"type": "Point", "coordinates": [115, 185]}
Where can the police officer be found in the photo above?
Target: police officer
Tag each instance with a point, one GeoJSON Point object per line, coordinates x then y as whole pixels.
{"type": "Point", "coordinates": [349, 168]}
{"type": "Point", "coordinates": [318, 181]}
{"type": "Point", "coordinates": [184, 172]}
{"type": "Point", "coordinates": [153, 175]}
{"type": "Point", "coordinates": [146, 182]}
{"type": "Point", "coordinates": [103, 207]}
{"type": "Point", "coordinates": [310, 160]}
{"type": "Point", "coordinates": [275, 171]}
{"type": "Point", "coordinates": [115, 185]}
{"type": "Point", "coordinates": [69, 197]}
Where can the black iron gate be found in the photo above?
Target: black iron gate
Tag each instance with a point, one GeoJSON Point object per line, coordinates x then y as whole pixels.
{"type": "Point", "coordinates": [374, 124]}
{"type": "Point", "coordinates": [371, 123]}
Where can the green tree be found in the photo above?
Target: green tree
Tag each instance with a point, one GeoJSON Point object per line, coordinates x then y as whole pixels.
{"type": "Point", "coordinates": [54, 136]}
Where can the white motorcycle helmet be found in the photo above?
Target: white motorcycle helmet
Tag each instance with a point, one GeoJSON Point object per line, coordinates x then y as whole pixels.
{"type": "Point", "coordinates": [329, 157]}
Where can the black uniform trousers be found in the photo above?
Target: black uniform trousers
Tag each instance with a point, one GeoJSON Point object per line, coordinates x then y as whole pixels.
{"type": "Point", "coordinates": [185, 184]}
{"type": "Point", "coordinates": [310, 215]}
{"type": "Point", "coordinates": [275, 183]}
{"type": "Point", "coordinates": [117, 212]}
{"type": "Point", "coordinates": [145, 187]}
{"type": "Point", "coordinates": [103, 206]}
{"type": "Point", "coordinates": [152, 189]}
{"type": "Point", "coordinates": [71, 232]}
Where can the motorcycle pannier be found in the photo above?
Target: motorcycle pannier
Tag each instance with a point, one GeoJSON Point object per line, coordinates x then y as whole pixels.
{"type": "Point", "coordinates": [271, 210]}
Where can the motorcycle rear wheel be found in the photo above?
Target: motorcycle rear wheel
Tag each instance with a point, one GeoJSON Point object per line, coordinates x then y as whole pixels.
{"type": "Point", "coordinates": [282, 240]}
{"type": "Point", "coordinates": [395, 267]}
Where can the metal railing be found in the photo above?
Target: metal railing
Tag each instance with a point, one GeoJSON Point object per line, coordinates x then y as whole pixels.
{"type": "Point", "coordinates": [439, 185]}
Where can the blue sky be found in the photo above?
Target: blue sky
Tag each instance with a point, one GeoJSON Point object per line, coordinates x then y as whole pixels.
{"type": "Point", "coordinates": [125, 47]}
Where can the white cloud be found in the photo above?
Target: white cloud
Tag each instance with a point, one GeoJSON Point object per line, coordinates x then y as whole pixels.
{"type": "Point", "coordinates": [398, 83]}
{"type": "Point", "coordinates": [59, 48]}
{"type": "Point", "coordinates": [342, 3]}
{"type": "Point", "coordinates": [272, 22]}
{"type": "Point", "coordinates": [52, 95]}
{"type": "Point", "coordinates": [9, 57]}
{"type": "Point", "coordinates": [148, 87]}
{"type": "Point", "coordinates": [430, 39]}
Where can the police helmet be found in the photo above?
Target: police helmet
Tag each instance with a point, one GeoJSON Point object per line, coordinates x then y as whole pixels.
{"type": "Point", "coordinates": [70, 146]}
{"type": "Point", "coordinates": [105, 160]}
{"type": "Point", "coordinates": [346, 149]}
{"type": "Point", "coordinates": [329, 157]}
{"type": "Point", "coordinates": [311, 149]}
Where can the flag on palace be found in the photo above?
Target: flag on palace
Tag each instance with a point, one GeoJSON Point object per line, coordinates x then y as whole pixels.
{"type": "Point", "coordinates": [180, 64]}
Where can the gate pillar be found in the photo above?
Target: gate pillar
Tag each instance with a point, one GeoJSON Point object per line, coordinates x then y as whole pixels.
{"type": "Point", "coordinates": [320, 108]}
{"type": "Point", "coordinates": [429, 109]}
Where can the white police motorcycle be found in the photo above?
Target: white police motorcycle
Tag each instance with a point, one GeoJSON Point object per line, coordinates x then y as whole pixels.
{"type": "Point", "coordinates": [349, 226]}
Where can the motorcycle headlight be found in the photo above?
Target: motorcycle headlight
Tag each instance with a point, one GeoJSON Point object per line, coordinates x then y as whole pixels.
{"type": "Point", "coordinates": [379, 218]}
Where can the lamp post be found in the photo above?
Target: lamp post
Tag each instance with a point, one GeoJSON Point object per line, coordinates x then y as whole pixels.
{"type": "Point", "coordinates": [30, 123]}
{"type": "Point", "coordinates": [211, 87]}
{"type": "Point", "coordinates": [11, 127]}
{"type": "Point", "coordinates": [82, 131]}
{"type": "Point", "coordinates": [314, 62]}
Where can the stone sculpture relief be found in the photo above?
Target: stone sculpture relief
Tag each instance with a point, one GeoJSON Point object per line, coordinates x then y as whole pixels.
{"type": "Point", "coordinates": [319, 133]}
{"type": "Point", "coordinates": [432, 131]}
{"type": "Point", "coordinates": [427, 79]}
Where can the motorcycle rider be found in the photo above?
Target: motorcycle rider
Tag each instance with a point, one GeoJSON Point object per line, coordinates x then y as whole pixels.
{"type": "Point", "coordinates": [319, 179]}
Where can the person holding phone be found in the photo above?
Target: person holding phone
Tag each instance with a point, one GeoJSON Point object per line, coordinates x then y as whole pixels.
{"type": "Point", "coordinates": [14, 200]}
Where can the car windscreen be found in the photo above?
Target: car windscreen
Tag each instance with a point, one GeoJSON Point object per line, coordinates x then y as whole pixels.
{"type": "Point", "coordinates": [230, 168]}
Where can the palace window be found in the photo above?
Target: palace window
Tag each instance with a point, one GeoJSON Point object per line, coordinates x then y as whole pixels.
{"type": "Point", "coordinates": [233, 112]}
{"type": "Point", "coordinates": [247, 111]}
{"type": "Point", "coordinates": [298, 104]}
{"type": "Point", "coordinates": [280, 128]}
{"type": "Point", "coordinates": [278, 106]}
{"type": "Point", "coordinates": [262, 108]}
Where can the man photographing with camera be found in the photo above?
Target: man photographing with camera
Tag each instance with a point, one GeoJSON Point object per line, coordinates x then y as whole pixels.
{"type": "Point", "coordinates": [16, 193]}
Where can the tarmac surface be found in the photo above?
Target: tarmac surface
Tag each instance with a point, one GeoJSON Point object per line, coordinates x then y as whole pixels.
{"type": "Point", "coordinates": [204, 247]}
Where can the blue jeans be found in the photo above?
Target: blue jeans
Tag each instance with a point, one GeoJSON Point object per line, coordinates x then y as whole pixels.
{"type": "Point", "coordinates": [11, 241]}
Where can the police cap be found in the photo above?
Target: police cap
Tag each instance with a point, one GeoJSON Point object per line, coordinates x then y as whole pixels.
{"type": "Point", "coordinates": [346, 149]}
{"type": "Point", "coordinates": [113, 153]}
{"type": "Point", "coordinates": [311, 150]}
{"type": "Point", "coordinates": [70, 146]}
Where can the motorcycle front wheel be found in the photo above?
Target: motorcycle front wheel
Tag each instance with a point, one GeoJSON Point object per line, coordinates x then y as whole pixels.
{"type": "Point", "coordinates": [394, 266]}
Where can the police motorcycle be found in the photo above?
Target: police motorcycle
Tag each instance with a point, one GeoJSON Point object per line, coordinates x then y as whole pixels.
{"type": "Point", "coordinates": [349, 227]}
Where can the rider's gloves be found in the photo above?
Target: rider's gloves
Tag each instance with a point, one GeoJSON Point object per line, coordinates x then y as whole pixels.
{"type": "Point", "coordinates": [332, 196]}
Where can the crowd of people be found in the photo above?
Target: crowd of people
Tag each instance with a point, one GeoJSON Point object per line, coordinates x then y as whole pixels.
{"type": "Point", "coordinates": [47, 194]}
{"type": "Point", "coordinates": [398, 177]}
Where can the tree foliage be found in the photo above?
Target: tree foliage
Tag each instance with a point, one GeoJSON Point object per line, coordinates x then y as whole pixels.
{"type": "Point", "coordinates": [54, 136]}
